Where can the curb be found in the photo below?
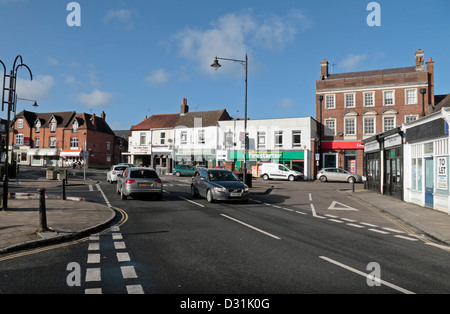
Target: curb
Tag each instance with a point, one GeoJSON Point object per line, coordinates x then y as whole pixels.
{"type": "Point", "coordinates": [61, 238]}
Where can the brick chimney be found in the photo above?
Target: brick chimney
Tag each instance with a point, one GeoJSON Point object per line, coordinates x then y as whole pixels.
{"type": "Point", "coordinates": [184, 107]}
{"type": "Point", "coordinates": [323, 69]}
{"type": "Point", "coordinates": [430, 70]}
{"type": "Point", "coordinates": [419, 60]}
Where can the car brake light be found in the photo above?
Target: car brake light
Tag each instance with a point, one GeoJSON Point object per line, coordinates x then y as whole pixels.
{"type": "Point", "coordinates": [158, 181]}
{"type": "Point", "coordinates": [113, 172]}
{"type": "Point", "coordinates": [130, 181]}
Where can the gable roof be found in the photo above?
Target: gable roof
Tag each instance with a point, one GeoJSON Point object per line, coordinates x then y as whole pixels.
{"type": "Point", "coordinates": [208, 118]}
{"type": "Point", "coordinates": [158, 121]}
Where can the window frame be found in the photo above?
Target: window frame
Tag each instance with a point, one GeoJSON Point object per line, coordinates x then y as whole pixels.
{"type": "Point", "coordinates": [416, 101]}
{"type": "Point", "coordinates": [326, 128]}
{"type": "Point", "coordinates": [365, 99]}
{"type": "Point", "coordinates": [353, 105]}
{"type": "Point", "coordinates": [384, 97]}
{"type": "Point", "coordinates": [333, 98]}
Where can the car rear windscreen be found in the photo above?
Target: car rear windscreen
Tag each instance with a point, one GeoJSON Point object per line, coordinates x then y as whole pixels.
{"type": "Point", "coordinates": [143, 174]}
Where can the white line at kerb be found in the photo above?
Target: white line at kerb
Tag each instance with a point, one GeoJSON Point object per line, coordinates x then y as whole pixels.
{"type": "Point", "coordinates": [390, 285]}
{"type": "Point", "coordinates": [251, 227]}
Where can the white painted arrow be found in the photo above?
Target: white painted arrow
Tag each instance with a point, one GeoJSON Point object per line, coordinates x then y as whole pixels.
{"type": "Point", "coordinates": [340, 206]}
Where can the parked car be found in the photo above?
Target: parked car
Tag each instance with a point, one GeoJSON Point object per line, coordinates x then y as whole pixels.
{"type": "Point", "coordinates": [218, 184]}
{"type": "Point", "coordinates": [184, 170]}
{"type": "Point", "coordinates": [126, 164]}
{"type": "Point", "coordinates": [139, 181]}
{"type": "Point", "coordinates": [278, 171]}
{"type": "Point", "coordinates": [112, 174]}
{"type": "Point", "coordinates": [337, 174]}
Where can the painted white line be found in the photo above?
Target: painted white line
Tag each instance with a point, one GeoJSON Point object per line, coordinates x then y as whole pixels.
{"type": "Point", "coordinates": [123, 257]}
{"type": "Point", "coordinates": [135, 289]}
{"type": "Point", "coordinates": [104, 196]}
{"type": "Point", "coordinates": [117, 236]}
{"type": "Point", "coordinates": [128, 272]}
{"type": "Point", "coordinates": [366, 275]}
{"type": "Point", "coordinates": [335, 220]}
{"type": "Point", "coordinates": [256, 201]}
{"type": "Point", "coordinates": [349, 220]}
{"type": "Point", "coordinates": [93, 258]}
{"type": "Point", "coordinates": [94, 246]}
{"type": "Point", "coordinates": [250, 226]}
{"type": "Point", "coordinates": [91, 187]}
{"type": "Point", "coordinates": [310, 197]}
{"type": "Point", "coordinates": [93, 291]}
{"type": "Point", "coordinates": [321, 217]}
{"type": "Point", "coordinates": [368, 225]}
{"type": "Point", "coordinates": [355, 225]}
{"type": "Point", "coordinates": [115, 228]}
{"type": "Point", "coordinates": [94, 237]}
{"type": "Point", "coordinates": [300, 212]}
{"type": "Point", "coordinates": [288, 209]}
{"type": "Point", "coordinates": [313, 210]}
{"type": "Point", "coordinates": [93, 274]}
{"type": "Point", "coordinates": [331, 216]}
{"type": "Point", "coordinates": [406, 238]}
{"type": "Point", "coordinates": [393, 230]}
{"type": "Point", "coordinates": [119, 245]}
{"type": "Point", "coordinates": [190, 201]}
{"type": "Point", "coordinates": [276, 206]}
{"type": "Point", "coordinates": [267, 204]}
{"type": "Point", "coordinates": [379, 231]}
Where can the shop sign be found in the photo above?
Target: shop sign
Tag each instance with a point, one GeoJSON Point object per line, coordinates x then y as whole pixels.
{"type": "Point", "coordinates": [265, 155]}
{"type": "Point", "coordinates": [442, 173]}
{"type": "Point", "coordinates": [393, 140]}
{"type": "Point", "coordinates": [372, 146]}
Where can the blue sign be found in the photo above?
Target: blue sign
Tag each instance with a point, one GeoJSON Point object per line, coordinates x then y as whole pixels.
{"type": "Point", "coordinates": [446, 128]}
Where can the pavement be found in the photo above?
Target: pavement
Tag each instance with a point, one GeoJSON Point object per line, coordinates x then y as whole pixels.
{"type": "Point", "coordinates": [75, 218]}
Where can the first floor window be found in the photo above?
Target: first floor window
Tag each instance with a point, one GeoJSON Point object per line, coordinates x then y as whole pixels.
{"type": "Point", "coordinates": [349, 100]}
{"type": "Point", "coordinates": [411, 96]}
{"type": "Point", "coordinates": [279, 139]}
{"type": "Point", "coordinates": [369, 125]}
{"type": "Point", "coordinates": [350, 127]}
{"type": "Point", "coordinates": [37, 142]}
{"type": "Point", "coordinates": [183, 137]}
{"type": "Point", "coordinates": [143, 139]}
{"type": "Point", "coordinates": [74, 142]}
{"type": "Point", "coordinates": [369, 99]}
{"type": "Point", "coordinates": [296, 138]}
{"type": "Point", "coordinates": [19, 139]}
{"type": "Point", "coordinates": [388, 98]}
{"type": "Point", "coordinates": [201, 136]}
{"type": "Point", "coordinates": [330, 127]}
{"type": "Point", "coordinates": [330, 102]}
{"type": "Point", "coordinates": [163, 138]}
{"type": "Point", "coordinates": [52, 141]}
{"type": "Point", "coordinates": [261, 139]}
{"type": "Point", "coordinates": [389, 123]}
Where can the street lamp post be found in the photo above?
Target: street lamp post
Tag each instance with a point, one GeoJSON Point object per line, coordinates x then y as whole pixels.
{"type": "Point", "coordinates": [216, 65]}
{"type": "Point", "coordinates": [11, 104]}
{"type": "Point", "coordinates": [423, 91]}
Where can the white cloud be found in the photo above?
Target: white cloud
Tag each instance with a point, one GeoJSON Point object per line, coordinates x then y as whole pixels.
{"type": "Point", "coordinates": [37, 89]}
{"type": "Point", "coordinates": [120, 17]}
{"type": "Point", "coordinates": [95, 99]}
{"type": "Point", "coordinates": [351, 61]}
{"type": "Point", "coordinates": [235, 34]}
{"type": "Point", "coordinates": [158, 77]}
{"type": "Point", "coordinates": [287, 103]}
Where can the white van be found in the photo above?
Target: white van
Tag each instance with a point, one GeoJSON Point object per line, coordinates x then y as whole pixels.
{"type": "Point", "coordinates": [278, 171]}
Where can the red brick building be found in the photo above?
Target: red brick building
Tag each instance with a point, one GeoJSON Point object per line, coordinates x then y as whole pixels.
{"type": "Point", "coordinates": [356, 105]}
{"type": "Point", "coordinates": [61, 138]}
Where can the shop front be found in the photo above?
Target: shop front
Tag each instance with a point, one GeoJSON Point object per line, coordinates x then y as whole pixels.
{"type": "Point", "coordinates": [347, 155]}
{"type": "Point", "coordinates": [196, 157]}
{"type": "Point", "coordinates": [296, 160]}
{"type": "Point", "coordinates": [162, 159]}
{"type": "Point", "coordinates": [43, 156]}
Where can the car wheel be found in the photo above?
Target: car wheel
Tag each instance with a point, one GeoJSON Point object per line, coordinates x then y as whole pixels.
{"type": "Point", "coordinates": [265, 177]}
{"type": "Point", "coordinates": [122, 196]}
{"type": "Point", "coordinates": [177, 173]}
{"type": "Point", "coordinates": [291, 178]}
{"type": "Point", "coordinates": [193, 191]}
{"type": "Point", "coordinates": [323, 179]}
{"type": "Point", "coordinates": [209, 196]}
{"type": "Point", "coordinates": [351, 180]}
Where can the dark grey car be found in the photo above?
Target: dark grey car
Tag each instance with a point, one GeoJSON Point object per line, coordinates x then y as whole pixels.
{"type": "Point", "coordinates": [218, 184]}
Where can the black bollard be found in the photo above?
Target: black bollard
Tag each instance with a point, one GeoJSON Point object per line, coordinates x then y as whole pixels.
{"type": "Point", "coordinates": [353, 186]}
{"type": "Point", "coordinates": [64, 189]}
{"type": "Point", "coordinates": [42, 210]}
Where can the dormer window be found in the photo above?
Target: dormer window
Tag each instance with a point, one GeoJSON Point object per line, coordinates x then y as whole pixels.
{"type": "Point", "coordinates": [38, 126]}
{"type": "Point", "coordinates": [75, 126]}
{"type": "Point", "coordinates": [53, 125]}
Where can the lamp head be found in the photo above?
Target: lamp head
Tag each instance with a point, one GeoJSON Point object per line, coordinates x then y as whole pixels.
{"type": "Point", "coordinates": [216, 65]}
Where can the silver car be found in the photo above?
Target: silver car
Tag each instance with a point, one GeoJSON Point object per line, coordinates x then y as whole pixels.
{"type": "Point", "coordinates": [112, 174]}
{"type": "Point", "coordinates": [218, 184]}
{"type": "Point", "coordinates": [337, 174]}
{"type": "Point", "coordinates": [139, 181]}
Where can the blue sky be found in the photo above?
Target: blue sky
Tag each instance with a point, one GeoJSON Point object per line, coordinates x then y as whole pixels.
{"type": "Point", "coordinates": [141, 57]}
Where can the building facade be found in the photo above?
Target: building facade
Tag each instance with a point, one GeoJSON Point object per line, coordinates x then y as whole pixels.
{"type": "Point", "coordinates": [288, 141]}
{"type": "Point", "coordinates": [61, 139]}
{"type": "Point", "coordinates": [354, 106]}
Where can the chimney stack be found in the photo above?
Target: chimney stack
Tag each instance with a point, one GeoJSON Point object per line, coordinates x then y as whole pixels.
{"type": "Point", "coordinates": [103, 115]}
{"type": "Point", "coordinates": [323, 69]}
{"type": "Point", "coordinates": [430, 70]}
{"type": "Point", "coordinates": [184, 107]}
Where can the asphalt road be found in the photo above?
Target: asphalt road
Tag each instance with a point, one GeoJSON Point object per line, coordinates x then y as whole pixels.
{"type": "Point", "coordinates": [303, 238]}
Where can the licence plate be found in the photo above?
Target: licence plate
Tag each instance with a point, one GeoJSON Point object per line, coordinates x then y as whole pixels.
{"type": "Point", "coordinates": [145, 184]}
{"type": "Point", "coordinates": [235, 194]}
